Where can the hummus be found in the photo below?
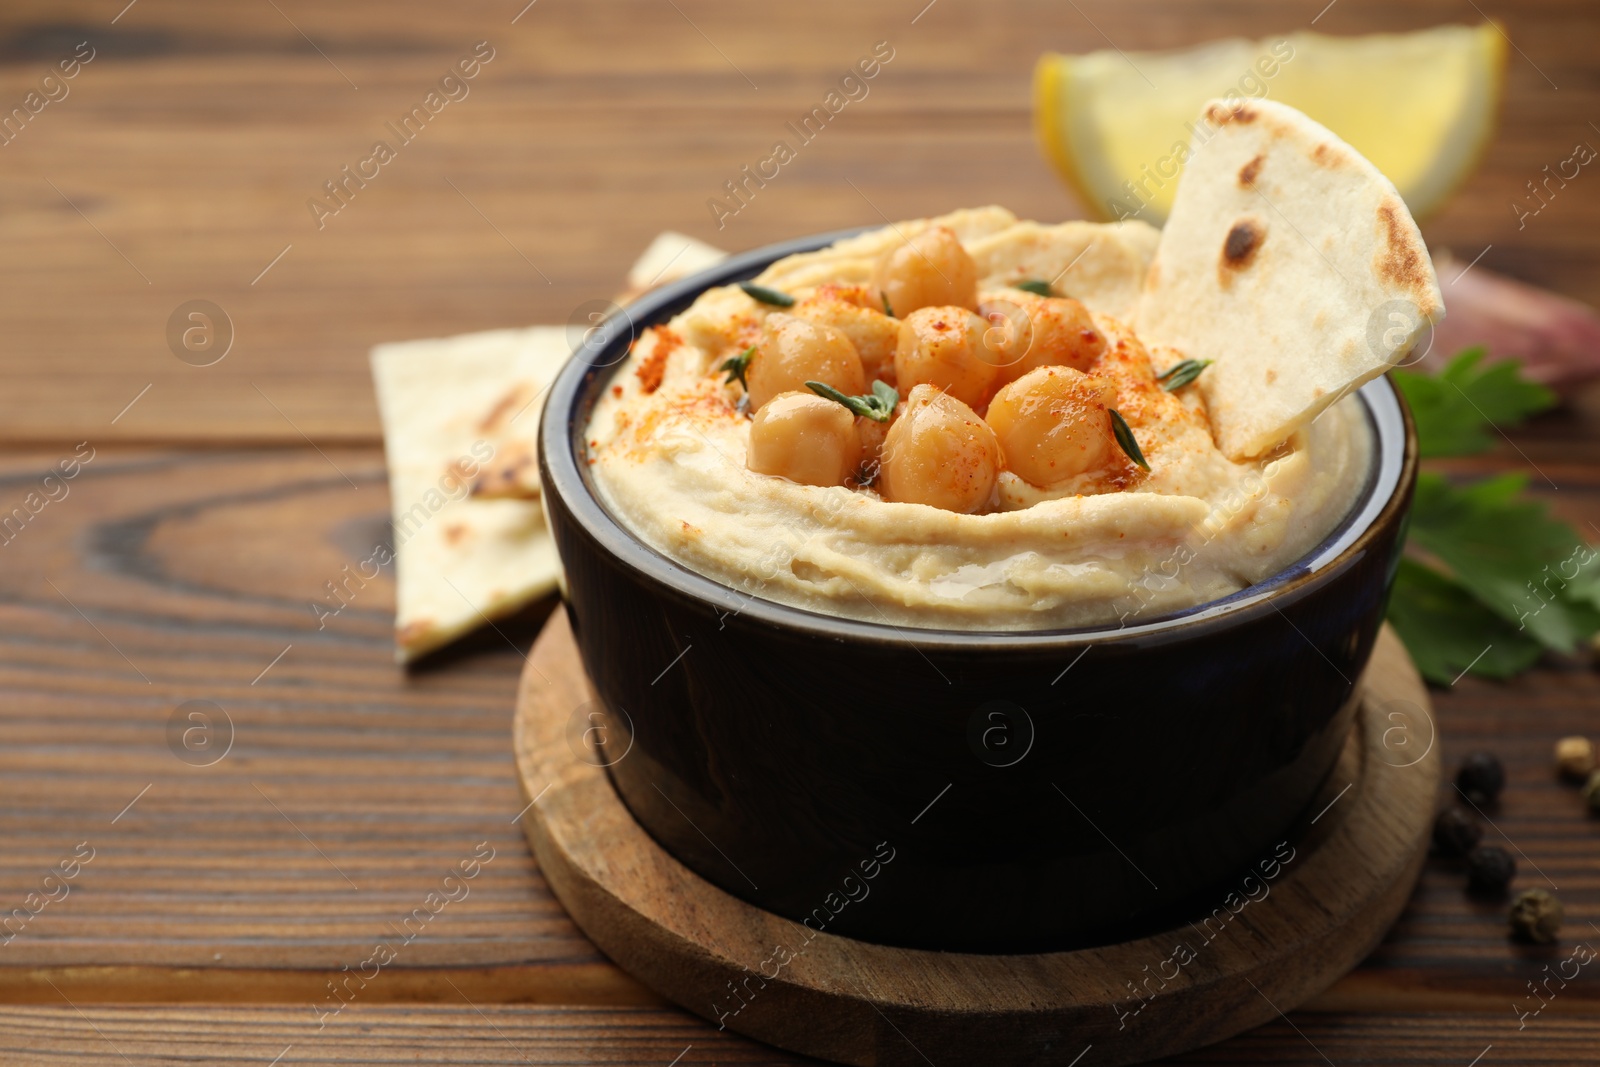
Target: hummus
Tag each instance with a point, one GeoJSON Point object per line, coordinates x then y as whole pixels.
{"type": "Point", "coordinates": [669, 442]}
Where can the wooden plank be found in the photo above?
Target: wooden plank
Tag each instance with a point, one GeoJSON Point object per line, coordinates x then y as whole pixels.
{"type": "Point", "coordinates": [487, 1034]}
{"type": "Point", "coordinates": [351, 787]}
{"type": "Point", "coordinates": [199, 569]}
{"type": "Point", "coordinates": [184, 156]}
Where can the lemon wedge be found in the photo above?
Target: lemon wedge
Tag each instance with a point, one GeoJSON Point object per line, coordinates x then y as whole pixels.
{"type": "Point", "coordinates": [1420, 106]}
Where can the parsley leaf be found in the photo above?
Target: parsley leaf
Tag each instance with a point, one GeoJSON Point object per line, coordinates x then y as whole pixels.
{"type": "Point", "coordinates": [1447, 631]}
{"type": "Point", "coordinates": [1491, 579]}
{"type": "Point", "coordinates": [1457, 410]}
{"type": "Point", "coordinates": [1509, 554]}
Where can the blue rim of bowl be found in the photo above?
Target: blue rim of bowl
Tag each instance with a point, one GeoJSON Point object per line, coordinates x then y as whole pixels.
{"type": "Point", "coordinates": [563, 448]}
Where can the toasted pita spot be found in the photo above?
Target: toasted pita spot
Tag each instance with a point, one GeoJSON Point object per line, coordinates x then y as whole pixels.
{"type": "Point", "coordinates": [1248, 172]}
{"type": "Point", "coordinates": [506, 405]}
{"type": "Point", "coordinates": [1221, 114]}
{"type": "Point", "coordinates": [1242, 242]}
{"type": "Point", "coordinates": [455, 533]}
{"type": "Point", "coordinates": [513, 474]}
{"type": "Point", "coordinates": [1328, 156]}
{"type": "Point", "coordinates": [1272, 375]}
{"type": "Point", "coordinates": [1401, 259]}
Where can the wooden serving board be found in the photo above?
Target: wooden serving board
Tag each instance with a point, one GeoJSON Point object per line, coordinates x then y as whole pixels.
{"type": "Point", "coordinates": [1304, 917]}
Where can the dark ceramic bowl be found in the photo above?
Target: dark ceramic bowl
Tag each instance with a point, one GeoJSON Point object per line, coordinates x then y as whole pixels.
{"type": "Point", "coordinates": [998, 792]}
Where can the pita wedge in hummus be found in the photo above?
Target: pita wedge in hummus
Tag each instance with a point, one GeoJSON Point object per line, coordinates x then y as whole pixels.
{"type": "Point", "coordinates": [977, 422]}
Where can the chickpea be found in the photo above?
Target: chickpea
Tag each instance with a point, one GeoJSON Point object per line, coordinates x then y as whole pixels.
{"type": "Point", "coordinates": [855, 312]}
{"type": "Point", "coordinates": [1052, 424]}
{"type": "Point", "coordinates": [804, 438]}
{"type": "Point", "coordinates": [793, 351]}
{"type": "Point", "coordinates": [944, 347]}
{"type": "Point", "coordinates": [930, 270]}
{"type": "Point", "coordinates": [939, 453]}
{"type": "Point", "coordinates": [1028, 332]}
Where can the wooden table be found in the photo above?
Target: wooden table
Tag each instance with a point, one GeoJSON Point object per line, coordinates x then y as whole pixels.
{"type": "Point", "coordinates": [221, 901]}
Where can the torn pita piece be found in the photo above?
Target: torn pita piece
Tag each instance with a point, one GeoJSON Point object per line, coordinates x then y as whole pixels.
{"type": "Point", "coordinates": [460, 428]}
{"type": "Point", "coordinates": [1292, 264]}
{"type": "Point", "coordinates": [671, 257]}
{"type": "Point", "coordinates": [459, 413]}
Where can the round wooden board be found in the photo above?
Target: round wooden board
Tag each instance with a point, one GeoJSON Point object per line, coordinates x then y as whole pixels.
{"type": "Point", "coordinates": [1262, 950]}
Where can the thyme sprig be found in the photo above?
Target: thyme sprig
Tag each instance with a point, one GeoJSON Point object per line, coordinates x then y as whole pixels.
{"type": "Point", "coordinates": [877, 405]}
{"type": "Point", "coordinates": [1181, 374]}
{"type": "Point", "coordinates": [1125, 438]}
{"type": "Point", "coordinates": [767, 296]}
{"type": "Point", "coordinates": [736, 366]}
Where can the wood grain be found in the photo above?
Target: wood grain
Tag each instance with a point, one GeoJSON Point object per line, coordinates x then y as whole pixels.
{"type": "Point", "coordinates": [184, 156]}
{"type": "Point", "coordinates": [640, 1037]}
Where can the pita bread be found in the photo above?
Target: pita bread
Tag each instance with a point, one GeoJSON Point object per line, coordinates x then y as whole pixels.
{"type": "Point", "coordinates": [670, 257]}
{"type": "Point", "coordinates": [1292, 264]}
{"type": "Point", "coordinates": [458, 411]}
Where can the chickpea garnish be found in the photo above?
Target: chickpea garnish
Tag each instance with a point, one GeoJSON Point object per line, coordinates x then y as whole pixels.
{"type": "Point", "coordinates": [939, 453]}
{"type": "Point", "coordinates": [793, 351]}
{"type": "Point", "coordinates": [1053, 424]}
{"type": "Point", "coordinates": [944, 347]}
{"type": "Point", "coordinates": [853, 311]}
{"type": "Point", "coordinates": [1028, 332]}
{"type": "Point", "coordinates": [930, 270]}
{"type": "Point", "coordinates": [804, 438]}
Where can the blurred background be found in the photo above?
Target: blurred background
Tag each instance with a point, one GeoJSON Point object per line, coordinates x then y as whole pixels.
{"type": "Point", "coordinates": [179, 164]}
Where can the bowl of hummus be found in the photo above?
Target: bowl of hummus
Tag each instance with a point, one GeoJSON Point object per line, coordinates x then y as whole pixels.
{"type": "Point", "coordinates": [980, 584]}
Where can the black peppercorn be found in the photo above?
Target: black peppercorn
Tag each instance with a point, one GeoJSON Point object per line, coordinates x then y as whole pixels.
{"type": "Point", "coordinates": [1455, 832]}
{"type": "Point", "coordinates": [1490, 869]}
{"type": "Point", "coordinates": [1536, 916]}
{"type": "Point", "coordinates": [1481, 778]}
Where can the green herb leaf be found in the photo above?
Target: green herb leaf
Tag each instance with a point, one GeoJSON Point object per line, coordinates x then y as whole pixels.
{"type": "Point", "coordinates": [887, 310]}
{"type": "Point", "coordinates": [1181, 374]}
{"type": "Point", "coordinates": [1529, 569]}
{"type": "Point", "coordinates": [1447, 631]}
{"type": "Point", "coordinates": [1125, 438]}
{"type": "Point", "coordinates": [1034, 286]}
{"type": "Point", "coordinates": [877, 405]}
{"type": "Point", "coordinates": [767, 296]}
{"type": "Point", "coordinates": [736, 366]}
{"type": "Point", "coordinates": [1502, 580]}
{"type": "Point", "coordinates": [1457, 411]}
